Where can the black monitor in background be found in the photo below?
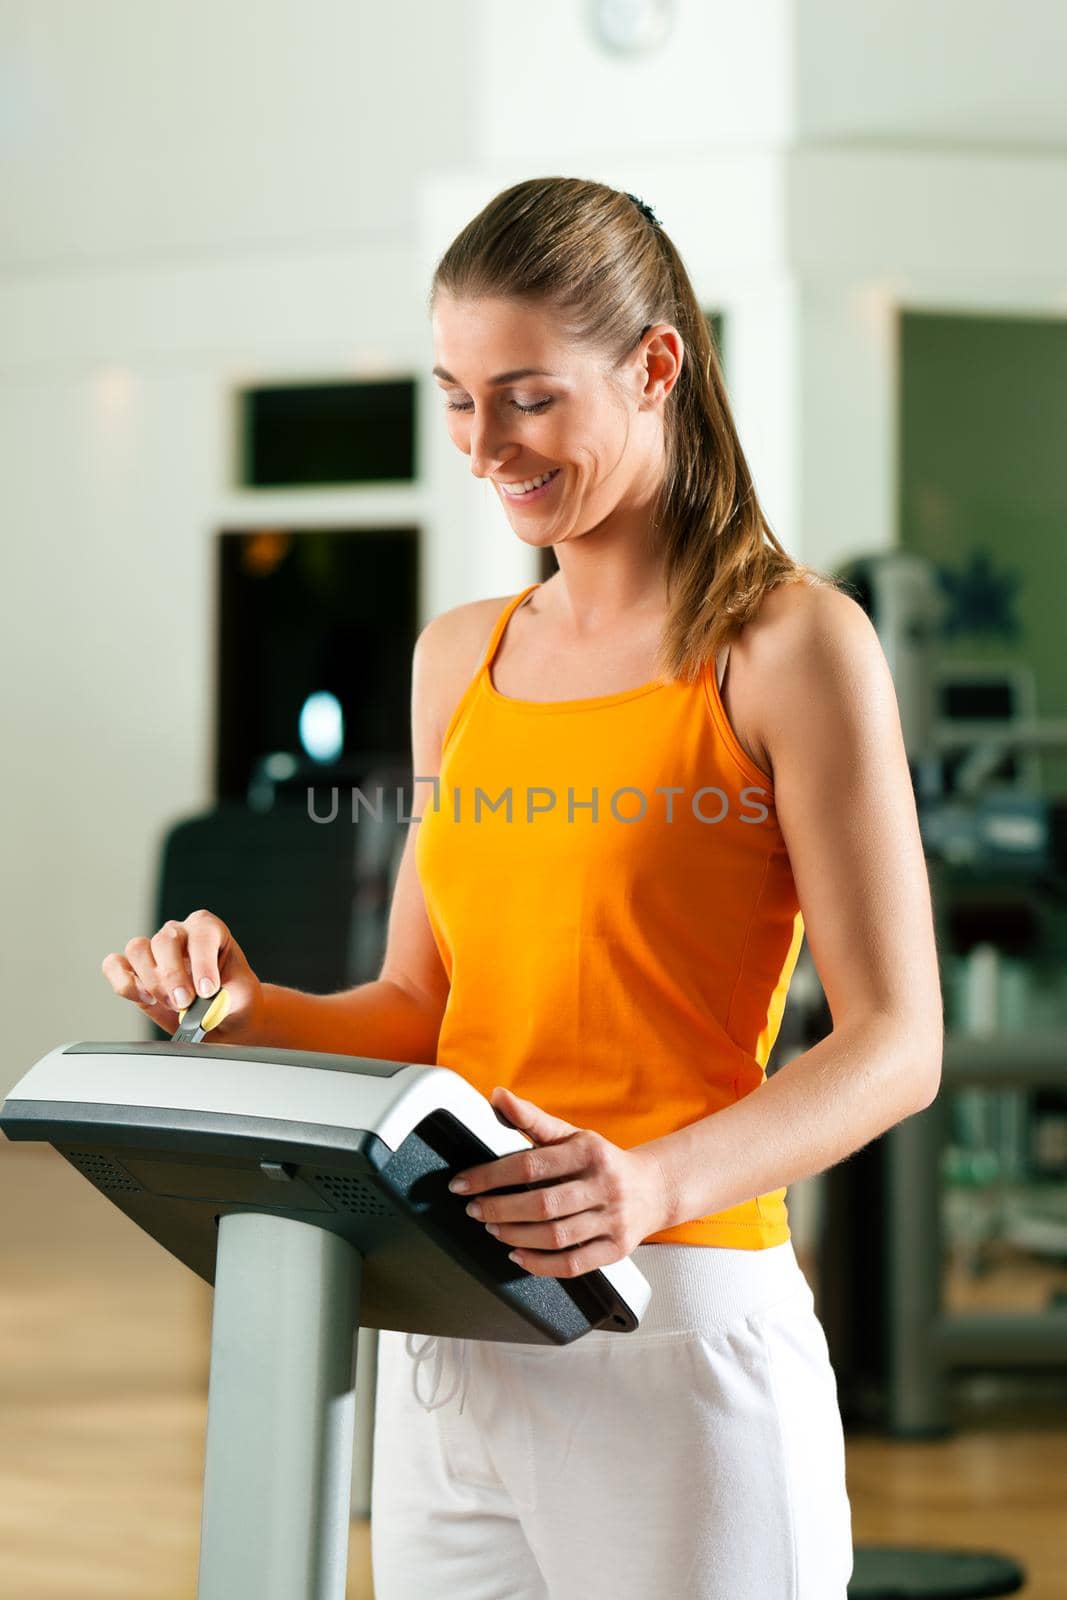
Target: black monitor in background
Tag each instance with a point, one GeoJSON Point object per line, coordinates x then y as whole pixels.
{"type": "Point", "coordinates": [988, 692]}
{"type": "Point", "coordinates": [326, 613]}
{"type": "Point", "coordinates": [305, 434]}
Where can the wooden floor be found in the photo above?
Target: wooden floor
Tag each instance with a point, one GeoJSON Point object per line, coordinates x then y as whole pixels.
{"type": "Point", "coordinates": [103, 1400]}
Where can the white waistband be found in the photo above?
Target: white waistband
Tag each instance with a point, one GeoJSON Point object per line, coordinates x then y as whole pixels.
{"type": "Point", "coordinates": [697, 1286]}
{"type": "Point", "coordinates": [694, 1288]}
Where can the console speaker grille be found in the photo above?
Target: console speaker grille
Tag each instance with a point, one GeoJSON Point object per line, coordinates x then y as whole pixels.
{"type": "Point", "coordinates": [104, 1173]}
{"type": "Point", "coordinates": [350, 1194]}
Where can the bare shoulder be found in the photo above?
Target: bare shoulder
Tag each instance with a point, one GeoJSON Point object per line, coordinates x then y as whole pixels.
{"type": "Point", "coordinates": [805, 642]}
{"type": "Point", "coordinates": [460, 634]}
{"type": "Point", "coordinates": [448, 651]}
{"type": "Point", "coordinates": [791, 613]}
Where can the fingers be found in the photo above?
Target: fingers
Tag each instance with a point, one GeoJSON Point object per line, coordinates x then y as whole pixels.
{"type": "Point", "coordinates": [599, 1252]}
{"type": "Point", "coordinates": [122, 978]}
{"type": "Point", "coordinates": [561, 1233]}
{"type": "Point", "coordinates": [205, 936]}
{"type": "Point", "coordinates": [548, 1204]}
{"type": "Point", "coordinates": [567, 1234]}
{"type": "Point", "coordinates": [170, 978]}
{"type": "Point", "coordinates": [166, 972]}
{"type": "Point", "coordinates": [534, 1164]}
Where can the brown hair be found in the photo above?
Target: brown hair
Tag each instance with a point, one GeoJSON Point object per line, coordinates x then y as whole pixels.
{"type": "Point", "coordinates": [610, 272]}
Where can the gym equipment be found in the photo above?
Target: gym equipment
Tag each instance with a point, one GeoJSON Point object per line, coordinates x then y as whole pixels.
{"type": "Point", "coordinates": [886, 1572]}
{"type": "Point", "coordinates": [312, 1191]}
{"type": "Point", "coordinates": [882, 1246]}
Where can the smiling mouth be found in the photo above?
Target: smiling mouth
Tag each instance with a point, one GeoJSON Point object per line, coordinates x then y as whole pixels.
{"type": "Point", "coordinates": [530, 494]}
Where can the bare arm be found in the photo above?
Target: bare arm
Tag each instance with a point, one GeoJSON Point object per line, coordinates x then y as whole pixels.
{"type": "Point", "coordinates": [376, 1018]}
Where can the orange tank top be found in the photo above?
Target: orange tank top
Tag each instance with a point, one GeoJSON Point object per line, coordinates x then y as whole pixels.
{"type": "Point", "coordinates": [612, 899]}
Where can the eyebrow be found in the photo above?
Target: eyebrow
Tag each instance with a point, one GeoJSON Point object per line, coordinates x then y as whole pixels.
{"type": "Point", "coordinates": [501, 377]}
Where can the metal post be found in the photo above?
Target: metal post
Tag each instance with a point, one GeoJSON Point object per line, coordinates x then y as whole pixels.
{"type": "Point", "coordinates": [918, 1398]}
{"type": "Point", "coordinates": [917, 1388]}
{"type": "Point", "coordinates": [281, 1412]}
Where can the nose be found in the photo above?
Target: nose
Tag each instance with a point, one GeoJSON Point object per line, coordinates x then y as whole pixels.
{"type": "Point", "coordinates": [485, 448]}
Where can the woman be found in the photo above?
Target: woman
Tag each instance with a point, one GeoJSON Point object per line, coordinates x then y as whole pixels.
{"type": "Point", "coordinates": [596, 923]}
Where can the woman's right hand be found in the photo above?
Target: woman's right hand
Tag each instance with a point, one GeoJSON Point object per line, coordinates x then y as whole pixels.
{"type": "Point", "coordinates": [199, 956]}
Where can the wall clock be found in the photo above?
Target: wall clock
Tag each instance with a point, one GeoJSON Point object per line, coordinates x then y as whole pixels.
{"type": "Point", "coordinates": [631, 27]}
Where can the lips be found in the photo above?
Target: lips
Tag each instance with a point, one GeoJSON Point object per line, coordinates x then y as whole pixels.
{"type": "Point", "coordinates": [531, 494]}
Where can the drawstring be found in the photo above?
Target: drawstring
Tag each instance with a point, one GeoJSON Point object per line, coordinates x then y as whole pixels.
{"type": "Point", "coordinates": [433, 1347]}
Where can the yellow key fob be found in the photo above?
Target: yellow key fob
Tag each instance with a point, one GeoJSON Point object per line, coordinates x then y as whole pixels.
{"type": "Point", "coordinates": [206, 1014]}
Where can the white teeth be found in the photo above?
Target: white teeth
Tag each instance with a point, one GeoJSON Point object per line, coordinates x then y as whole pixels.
{"type": "Point", "coordinates": [515, 489]}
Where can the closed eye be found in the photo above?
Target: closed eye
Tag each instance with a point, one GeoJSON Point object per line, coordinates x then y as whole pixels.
{"type": "Point", "coordinates": [527, 411]}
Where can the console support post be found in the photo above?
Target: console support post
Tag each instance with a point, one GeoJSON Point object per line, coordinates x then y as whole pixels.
{"type": "Point", "coordinates": [281, 1412]}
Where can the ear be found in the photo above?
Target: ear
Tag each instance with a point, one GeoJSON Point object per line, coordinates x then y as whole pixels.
{"type": "Point", "coordinates": [663, 353]}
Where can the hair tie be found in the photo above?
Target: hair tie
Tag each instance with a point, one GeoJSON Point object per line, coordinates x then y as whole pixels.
{"type": "Point", "coordinates": [645, 209]}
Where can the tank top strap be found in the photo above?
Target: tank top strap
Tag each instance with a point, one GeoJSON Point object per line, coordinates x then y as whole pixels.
{"type": "Point", "coordinates": [501, 623]}
{"type": "Point", "coordinates": [514, 604]}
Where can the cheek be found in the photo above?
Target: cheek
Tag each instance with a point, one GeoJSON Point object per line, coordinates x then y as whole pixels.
{"type": "Point", "coordinates": [586, 466]}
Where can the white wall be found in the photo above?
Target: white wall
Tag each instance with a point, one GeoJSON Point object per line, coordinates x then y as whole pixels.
{"type": "Point", "coordinates": [551, 96]}
{"type": "Point", "coordinates": [939, 72]}
{"type": "Point", "coordinates": [134, 132]}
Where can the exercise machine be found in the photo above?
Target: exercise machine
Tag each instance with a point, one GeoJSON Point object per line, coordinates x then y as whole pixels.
{"type": "Point", "coordinates": [312, 1191]}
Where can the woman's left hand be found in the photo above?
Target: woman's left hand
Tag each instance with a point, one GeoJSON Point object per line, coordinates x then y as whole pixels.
{"type": "Point", "coordinates": [597, 1203]}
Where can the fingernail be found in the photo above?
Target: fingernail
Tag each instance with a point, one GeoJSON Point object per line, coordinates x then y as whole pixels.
{"type": "Point", "coordinates": [206, 987]}
{"type": "Point", "coordinates": [146, 999]}
{"type": "Point", "coordinates": [459, 1186]}
{"type": "Point", "coordinates": [181, 999]}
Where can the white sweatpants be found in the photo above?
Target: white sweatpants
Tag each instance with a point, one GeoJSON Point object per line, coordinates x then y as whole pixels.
{"type": "Point", "coordinates": [700, 1457]}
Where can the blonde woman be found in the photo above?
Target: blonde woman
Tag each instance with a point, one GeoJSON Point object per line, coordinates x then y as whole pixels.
{"type": "Point", "coordinates": [612, 967]}
{"type": "Point", "coordinates": [689, 755]}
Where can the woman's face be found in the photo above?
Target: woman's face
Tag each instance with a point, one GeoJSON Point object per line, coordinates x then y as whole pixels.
{"type": "Point", "coordinates": [597, 436]}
